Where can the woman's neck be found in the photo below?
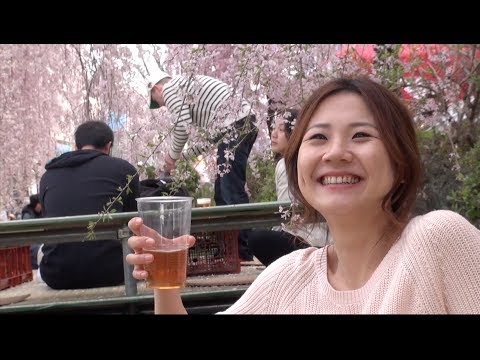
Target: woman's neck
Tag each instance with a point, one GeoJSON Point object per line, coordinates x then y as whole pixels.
{"type": "Point", "coordinates": [359, 245]}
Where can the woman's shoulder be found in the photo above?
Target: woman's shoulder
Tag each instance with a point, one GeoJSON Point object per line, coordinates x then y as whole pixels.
{"type": "Point", "coordinates": [281, 162]}
{"type": "Point", "coordinates": [444, 226]}
{"type": "Point", "coordinates": [280, 166]}
{"type": "Point", "coordinates": [441, 218]}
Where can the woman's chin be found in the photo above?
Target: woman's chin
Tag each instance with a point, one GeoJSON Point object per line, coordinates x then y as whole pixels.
{"type": "Point", "coordinates": [335, 210]}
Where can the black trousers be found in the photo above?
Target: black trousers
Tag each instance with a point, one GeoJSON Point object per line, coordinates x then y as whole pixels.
{"type": "Point", "coordinates": [269, 245]}
{"type": "Point", "coordinates": [33, 255]}
{"type": "Point", "coordinates": [230, 188]}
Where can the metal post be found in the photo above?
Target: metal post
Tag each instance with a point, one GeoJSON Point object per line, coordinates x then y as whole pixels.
{"type": "Point", "coordinates": [130, 282]}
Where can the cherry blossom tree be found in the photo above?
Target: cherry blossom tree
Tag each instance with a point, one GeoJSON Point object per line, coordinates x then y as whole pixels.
{"type": "Point", "coordinates": [48, 90]}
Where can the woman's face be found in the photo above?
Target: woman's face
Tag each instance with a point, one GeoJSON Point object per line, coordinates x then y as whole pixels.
{"type": "Point", "coordinates": [279, 140]}
{"type": "Point", "coordinates": [343, 165]}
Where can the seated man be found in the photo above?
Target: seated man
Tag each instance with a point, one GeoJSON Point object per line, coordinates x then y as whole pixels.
{"type": "Point", "coordinates": [82, 182]}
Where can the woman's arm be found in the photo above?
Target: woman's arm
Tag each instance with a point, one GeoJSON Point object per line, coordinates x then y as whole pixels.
{"type": "Point", "coordinates": [165, 301]}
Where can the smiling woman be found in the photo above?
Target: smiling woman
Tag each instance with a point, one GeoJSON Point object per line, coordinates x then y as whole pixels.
{"type": "Point", "coordinates": [360, 126]}
{"type": "Point", "coordinates": [353, 159]}
{"type": "Point", "coordinates": [343, 137]}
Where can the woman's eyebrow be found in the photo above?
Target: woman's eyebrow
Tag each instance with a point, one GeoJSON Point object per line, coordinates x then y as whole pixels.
{"type": "Point", "coordinates": [352, 125]}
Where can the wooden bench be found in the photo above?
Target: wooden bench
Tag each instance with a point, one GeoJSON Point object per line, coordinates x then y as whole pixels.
{"type": "Point", "coordinates": [74, 228]}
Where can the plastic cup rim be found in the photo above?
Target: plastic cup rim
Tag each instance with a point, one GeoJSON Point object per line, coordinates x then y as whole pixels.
{"type": "Point", "coordinates": [160, 199]}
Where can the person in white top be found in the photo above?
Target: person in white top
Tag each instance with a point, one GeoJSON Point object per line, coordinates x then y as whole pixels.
{"type": "Point", "coordinates": [268, 245]}
{"type": "Point", "coordinates": [353, 158]}
{"type": "Point", "coordinates": [218, 110]}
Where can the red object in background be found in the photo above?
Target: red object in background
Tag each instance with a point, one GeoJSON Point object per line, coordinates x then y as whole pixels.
{"type": "Point", "coordinates": [409, 53]}
{"type": "Point", "coordinates": [214, 252]}
{"type": "Point", "coordinates": [15, 266]}
{"type": "Point", "coordinates": [422, 61]}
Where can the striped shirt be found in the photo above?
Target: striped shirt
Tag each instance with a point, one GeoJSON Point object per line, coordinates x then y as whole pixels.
{"type": "Point", "coordinates": [204, 102]}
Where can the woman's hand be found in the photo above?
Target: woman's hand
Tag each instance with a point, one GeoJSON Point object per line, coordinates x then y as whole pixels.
{"type": "Point", "coordinates": [169, 164]}
{"type": "Point", "coordinates": [138, 243]}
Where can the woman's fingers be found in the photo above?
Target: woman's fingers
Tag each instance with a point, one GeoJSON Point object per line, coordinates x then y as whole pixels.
{"type": "Point", "coordinates": [139, 274]}
{"type": "Point", "coordinates": [137, 243]}
{"type": "Point", "coordinates": [139, 259]}
{"type": "Point", "coordinates": [134, 224]}
{"type": "Point", "coordinates": [190, 240]}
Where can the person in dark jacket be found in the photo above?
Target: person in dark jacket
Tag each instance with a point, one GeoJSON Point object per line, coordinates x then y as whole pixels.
{"type": "Point", "coordinates": [82, 182]}
{"type": "Point", "coordinates": [33, 210]}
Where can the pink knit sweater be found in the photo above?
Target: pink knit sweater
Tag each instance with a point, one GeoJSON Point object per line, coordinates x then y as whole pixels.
{"type": "Point", "coordinates": [434, 268]}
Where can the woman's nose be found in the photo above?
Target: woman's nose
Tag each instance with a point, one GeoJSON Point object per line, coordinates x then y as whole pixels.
{"type": "Point", "coordinates": [337, 151]}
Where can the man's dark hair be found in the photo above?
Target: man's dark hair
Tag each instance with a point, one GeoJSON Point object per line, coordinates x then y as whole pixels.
{"type": "Point", "coordinates": [34, 200]}
{"type": "Point", "coordinates": [95, 133]}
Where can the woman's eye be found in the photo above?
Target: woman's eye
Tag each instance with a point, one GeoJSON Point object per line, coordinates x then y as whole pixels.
{"type": "Point", "coordinates": [317, 137]}
{"type": "Point", "coordinates": [360, 135]}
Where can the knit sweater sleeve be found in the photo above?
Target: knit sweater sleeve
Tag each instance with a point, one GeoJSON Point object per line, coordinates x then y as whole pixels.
{"type": "Point", "coordinates": [280, 282]}
{"type": "Point", "coordinates": [458, 254]}
{"type": "Point", "coordinates": [280, 288]}
{"type": "Point", "coordinates": [258, 295]}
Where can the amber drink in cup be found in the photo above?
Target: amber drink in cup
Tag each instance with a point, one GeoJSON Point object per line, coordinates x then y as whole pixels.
{"type": "Point", "coordinates": [167, 220]}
